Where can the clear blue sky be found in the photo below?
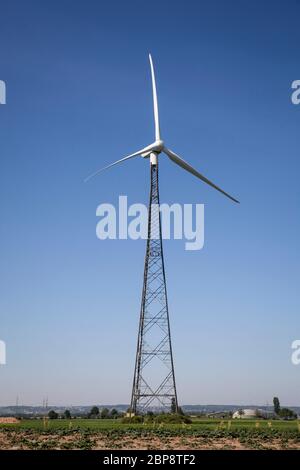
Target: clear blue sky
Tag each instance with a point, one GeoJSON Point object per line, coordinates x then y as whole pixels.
{"type": "Point", "coordinates": [78, 97]}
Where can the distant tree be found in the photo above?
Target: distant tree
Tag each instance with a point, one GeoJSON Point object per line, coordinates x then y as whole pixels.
{"type": "Point", "coordinates": [104, 413]}
{"type": "Point", "coordinates": [180, 411]}
{"type": "Point", "coordinates": [52, 414]}
{"type": "Point", "coordinates": [67, 414]}
{"type": "Point", "coordinates": [94, 413]}
{"type": "Point", "coordinates": [276, 404]}
{"type": "Point", "coordinates": [173, 406]}
{"type": "Point", "coordinates": [258, 413]}
{"type": "Point", "coordinates": [241, 412]}
{"type": "Point", "coordinates": [114, 413]}
{"type": "Point", "coordinates": [286, 413]}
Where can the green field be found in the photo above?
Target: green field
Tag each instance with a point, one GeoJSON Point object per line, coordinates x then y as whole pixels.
{"type": "Point", "coordinates": [88, 434]}
{"type": "Point", "coordinates": [116, 424]}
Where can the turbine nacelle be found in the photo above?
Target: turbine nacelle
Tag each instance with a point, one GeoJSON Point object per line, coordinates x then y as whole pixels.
{"type": "Point", "coordinates": [157, 147]}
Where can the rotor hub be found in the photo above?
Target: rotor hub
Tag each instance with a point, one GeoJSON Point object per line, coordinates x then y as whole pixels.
{"type": "Point", "coordinates": [158, 146]}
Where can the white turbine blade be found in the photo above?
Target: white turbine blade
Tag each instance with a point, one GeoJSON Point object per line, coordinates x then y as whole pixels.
{"type": "Point", "coordinates": [135, 154]}
{"type": "Point", "coordinates": [155, 105]}
{"type": "Point", "coordinates": [186, 166]}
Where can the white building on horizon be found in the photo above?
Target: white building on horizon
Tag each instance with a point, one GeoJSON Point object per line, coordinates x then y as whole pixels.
{"type": "Point", "coordinates": [250, 413]}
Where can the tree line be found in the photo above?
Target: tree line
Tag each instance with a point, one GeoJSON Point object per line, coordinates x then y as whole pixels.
{"type": "Point", "coordinates": [94, 413]}
{"type": "Point", "coordinates": [284, 413]}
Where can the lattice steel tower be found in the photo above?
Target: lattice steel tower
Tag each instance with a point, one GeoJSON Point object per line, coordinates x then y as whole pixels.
{"type": "Point", "coordinates": [154, 378]}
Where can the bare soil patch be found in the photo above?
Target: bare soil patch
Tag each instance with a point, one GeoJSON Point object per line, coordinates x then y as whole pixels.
{"type": "Point", "coordinates": [9, 420]}
{"type": "Point", "coordinates": [10, 439]}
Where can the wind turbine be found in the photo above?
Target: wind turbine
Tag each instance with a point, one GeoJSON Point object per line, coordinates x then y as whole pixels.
{"type": "Point", "coordinates": [154, 337]}
{"type": "Point", "coordinates": [158, 146]}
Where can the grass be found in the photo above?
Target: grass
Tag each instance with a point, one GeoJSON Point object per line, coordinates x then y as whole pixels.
{"type": "Point", "coordinates": [107, 425]}
{"type": "Point", "coordinates": [113, 434]}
